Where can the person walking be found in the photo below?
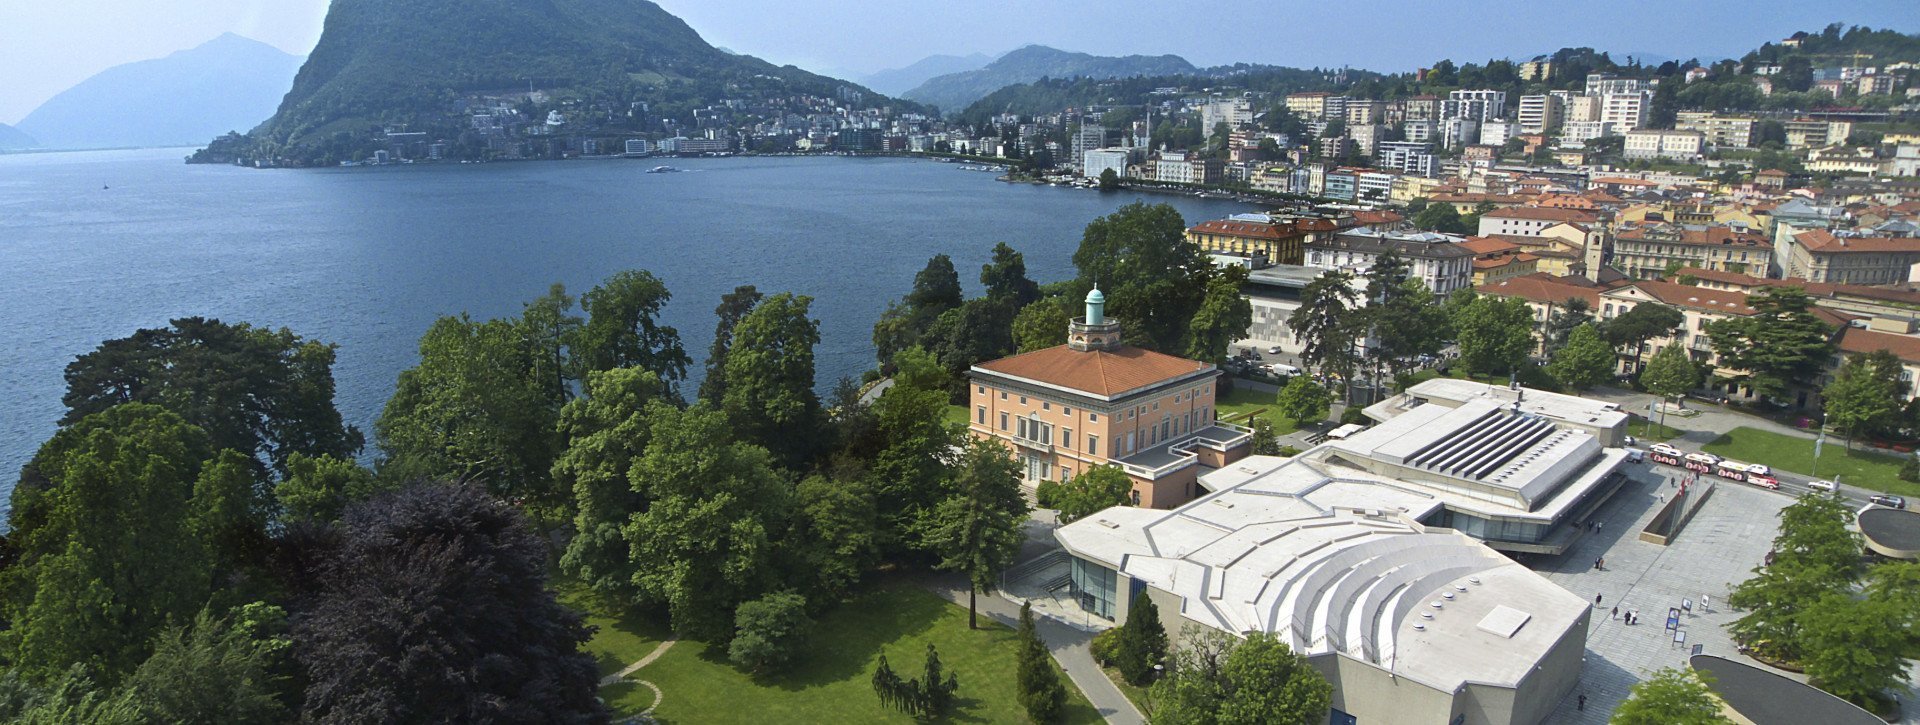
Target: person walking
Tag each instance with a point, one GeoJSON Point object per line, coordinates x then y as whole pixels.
{"type": "Point", "coordinates": [1582, 705]}
{"type": "Point", "coordinates": [1596, 599]}
{"type": "Point", "coordinates": [1615, 614]}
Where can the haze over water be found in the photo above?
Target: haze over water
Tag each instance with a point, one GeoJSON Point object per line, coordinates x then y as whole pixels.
{"type": "Point", "coordinates": [96, 245]}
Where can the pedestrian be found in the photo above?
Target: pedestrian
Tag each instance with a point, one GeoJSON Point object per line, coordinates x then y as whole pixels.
{"type": "Point", "coordinates": [1596, 599]}
{"type": "Point", "coordinates": [1596, 562]}
{"type": "Point", "coordinates": [1583, 702]}
{"type": "Point", "coordinates": [1615, 614]}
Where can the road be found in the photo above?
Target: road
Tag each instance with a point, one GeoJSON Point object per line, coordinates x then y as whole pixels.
{"type": "Point", "coordinates": [1792, 485]}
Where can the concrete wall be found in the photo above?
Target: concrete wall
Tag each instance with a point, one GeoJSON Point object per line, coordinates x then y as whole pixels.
{"type": "Point", "coordinates": [1538, 693]}
{"type": "Point", "coordinates": [1375, 697]}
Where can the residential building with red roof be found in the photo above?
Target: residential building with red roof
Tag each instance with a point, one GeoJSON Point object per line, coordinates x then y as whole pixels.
{"type": "Point", "coordinates": [1648, 250]}
{"type": "Point", "coordinates": [1277, 240]}
{"type": "Point", "coordinates": [1096, 401]}
{"type": "Point", "coordinates": [1531, 220]}
{"type": "Point", "coordinates": [1819, 255]}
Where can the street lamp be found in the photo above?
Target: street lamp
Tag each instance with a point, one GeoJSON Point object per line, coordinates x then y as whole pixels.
{"type": "Point", "coordinates": [1817, 441]}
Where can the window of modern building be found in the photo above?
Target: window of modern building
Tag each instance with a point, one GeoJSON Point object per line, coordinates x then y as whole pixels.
{"type": "Point", "coordinates": [1095, 585]}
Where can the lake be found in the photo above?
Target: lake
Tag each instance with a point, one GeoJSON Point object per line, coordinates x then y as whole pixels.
{"type": "Point", "coordinates": [96, 245]}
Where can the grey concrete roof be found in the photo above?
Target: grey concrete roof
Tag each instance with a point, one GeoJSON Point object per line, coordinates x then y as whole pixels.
{"type": "Point", "coordinates": [1891, 528]}
{"type": "Point", "coordinates": [1555, 406]}
{"type": "Point", "coordinates": [1766, 698]}
{"type": "Point", "coordinates": [1482, 441]}
{"type": "Point", "coordinates": [1334, 564]}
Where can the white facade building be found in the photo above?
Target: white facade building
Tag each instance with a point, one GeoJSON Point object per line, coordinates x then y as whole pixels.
{"type": "Point", "coordinates": [1538, 114]}
{"type": "Point", "coordinates": [1097, 161]}
{"type": "Point", "coordinates": [1675, 145]}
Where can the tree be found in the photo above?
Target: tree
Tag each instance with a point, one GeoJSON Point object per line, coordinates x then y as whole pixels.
{"type": "Point", "coordinates": [715, 508]}
{"type": "Point", "coordinates": [1094, 490]}
{"type": "Point", "coordinates": [1495, 334]}
{"type": "Point", "coordinates": [838, 533]}
{"type": "Point", "coordinates": [976, 530]}
{"type": "Point", "coordinates": [607, 430]}
{"type": "Point", "coordinates": [1670, 374]}
{"type": "Point", "coordinates": [1040, 325]}
{"type": "Point", "coordinates": [1304, 401]}
{"type": "Point", "coordinates": [623, 328]}
{"type": "Point", "coordinates": [1780, 346]}
{"type": "Point", "coordinates": [1265, 442]}
{"type": "Point", "coordinates": [1041, 693]}
{"type": "Point", "coordinates": [1153, 278]}
{"type": "Point", "coordinates": [1632, 329]}
{"type": "Point", "coordinates": [1323, 324]}
{"type": "Point", "coordinates": [1857, 648]}
{"type": "Point", "coordinates": [550, 327]}
{"type": "Point", "coordinates": [104, 545]}
{"type": "Point", "coordinates": [770, 398]}
{"type": "Point", "coordinates": [1109, 180]}
{"type": "Point", "coordinates": [221, 669]}
{"type": "Point", "coordinates": [1215, 678]}
{"type": "Point", "coordinates": [1441, 217]}
{"type": "Point", "coordinates": [1142, 641]}
{"type": "Point", "coordinates": [1005, 277]}
{"type": "Point", "coordinates": [913, 470]}
{"type": "Point", "coordinates": [1865, 394]}
{"type": "Point", "coordinates": [1562, 322]}
{"type": "Point", "coordinates": [734, 307]}
{"type": "Point", "coordinates": [1673, 696]}
{"type": "Point", "coordinates": [72, 697]}
{"type": "Point", "coordinates": [1584, 362]}
{"type": "Point", "coordinates": [1815, 554]}
{"type": "Point", "coordinates": [320, 488]}
{"type": "Point", "coordinates": [769, 632]}
{"type": "Point", "coordinates": [979, 330]}
{"type": "Point", "coordinates": [228, 515]}
{"type": "Point", "coordinates": [1223, 317]}
{"type": "Point", "coordinates": [432, 606]}
{"type": "Point", "coordinates": [936, 287]}
{"type": "Point", "coordinates": [265, 393]}
{"type": "Point", "coordinates": [473, 409]}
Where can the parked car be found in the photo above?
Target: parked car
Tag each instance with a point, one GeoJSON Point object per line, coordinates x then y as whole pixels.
{"type": "Point", "coordinates": [1632, 441]}
{"type": "Point", "coordinates": [1760, 468]}
{"type": "Point", "coordinates": [1892, 502]}
{"type": "Point", "coordinates": [1635, 455]}
{"type": "Point", "coordinates": [1823, 485]}
{"type": "Point", "coordinates": [1665, 450]}
{"type": "Point", "coordinates": [1275, 350]}
{"type": "Point", "coordinates": [1287, 370]}
{"type": "Point", "coordinates": [1707, 458]}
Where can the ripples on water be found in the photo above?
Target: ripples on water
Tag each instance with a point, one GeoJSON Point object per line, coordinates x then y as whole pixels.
{"type": "Point", "coordinates": [96, 245]}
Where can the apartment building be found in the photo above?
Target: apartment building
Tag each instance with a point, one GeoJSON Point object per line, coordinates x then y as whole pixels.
{"type": "Point", "coordinates": [1098, 161]}
{"type": "Point", "coordinates": [1496, 133]}
{"type": "Point", "coordinates": [1366, 113]}
{"type": "Point", "coordinates": [1531, 221]}
{"type": "Point", "coordinates": [1719, 131]}
{"type": "Point", "coordinates": [1272, 239]}
{"type": "Point", "coordinates": [1819, 255]}
{"type": "Point", "coordinates": [1435, 259]}
{"type": "Point", "coordinates": [1578, 133]}
{"type": "Point", "coordinates": [1812, 133]}
{"type": "Point", "coordinates": [1625, 110]}
{"type": "Point", "coordinates": [1407, 157]}
{"type": "Point", "coordinates": [1310, 105]}
{"type": "Point", "coordinates": [1088, 137]}
{"type": "Point", "coordinates": [1478, 105]}
{"type": "Point", "coordinates": [1096, 401]}
{"type": "Point", "coordinates": [1366, 138]}
{"type": "Point", "coordinates": [1422, 108]}
{"type": "Point", "coordinates": [1538, 114]}
{"type": "Point", "coordinates": [1601, 84]}
{"type": "Point", "coordinates": [1671, 145]}
{"type": "Point", "coordinates": [1648, 250]}
{"type": "Point", "coordinates": [1182, 168]}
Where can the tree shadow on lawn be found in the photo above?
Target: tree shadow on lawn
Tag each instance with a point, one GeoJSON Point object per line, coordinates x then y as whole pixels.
{"type": "Point", "coordinates": [613, 618]}
{"type": "Point", "coordinates": [849, 637]}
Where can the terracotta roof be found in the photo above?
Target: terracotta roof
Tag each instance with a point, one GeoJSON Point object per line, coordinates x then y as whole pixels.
{"type": "Point", "coordinates": [1541, 213]}
{"type": "Point", "coordinates": [1541, 288]}
{"type": "Point", "coordinates": [1101, 373]}
{"type": "Point", "coordinates": [1710, 236]}
{"type": "Point", "coordinates": [1253, 230]}
{"type": "Point", "coordinates": [1856, 340]}
{"type": "Point", "coordinates": [1771, 172]}
{"type": "Point", "coordinates": [1815, 289]}
{"type": "Point", "coordinates": [1489, 245]}
{"type": "Point", "coordinates": [1621, 181]}
{"type": "Point", "coordinates": [1487, 263]}
{"type": "Point", "coordinates": [1824, 242]}
{"type": "Point", "coordinates": [1377, 217]}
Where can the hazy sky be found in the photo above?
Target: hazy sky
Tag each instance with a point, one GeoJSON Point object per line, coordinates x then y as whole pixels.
{"type": "Point", "coordinates": [46, 47]}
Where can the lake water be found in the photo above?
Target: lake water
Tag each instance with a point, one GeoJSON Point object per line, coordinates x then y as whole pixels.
{"type": "Point", "coordinates": [96, 245]}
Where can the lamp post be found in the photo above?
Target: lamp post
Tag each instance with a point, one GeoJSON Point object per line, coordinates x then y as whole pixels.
{"type": "Point", "coordinates": [1817, 441]}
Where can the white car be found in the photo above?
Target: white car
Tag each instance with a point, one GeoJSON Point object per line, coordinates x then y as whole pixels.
{"type": "Point", "coordinates": [1275, 350]}
{"type": "Point", "coordinates": [1665, 450]}
{"type": "Point", "coordinates": [1707, 458]}
{"type": "Point", "coordinates": [1279, 369]}
{"type": "Point", "coordinates": [1760, 468]}
{"type": "Point", "coordinates": [1828, 486]}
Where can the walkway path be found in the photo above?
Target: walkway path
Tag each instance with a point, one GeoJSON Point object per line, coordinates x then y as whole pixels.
{"type": "Point", "coordinates": [658, 696]}
{"type": "Point", "coordinates": [1068, 646]}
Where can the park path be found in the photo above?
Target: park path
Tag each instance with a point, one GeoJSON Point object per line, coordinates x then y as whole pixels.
{"type": "Point", "coordinates": [635, 667]}
{"type": "Point", "coordinates": [1067, 645]}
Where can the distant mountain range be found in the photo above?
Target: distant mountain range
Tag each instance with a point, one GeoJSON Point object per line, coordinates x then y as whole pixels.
{"type": "Point", "coordinates": [955, 91]}
{"type": "Point", "coordinates": [897, 81]}
{"type": "Point", "coordinates": [391, 63]}
{"type": "Point", "coordinates": [226, 84]}
{"type": "Point", "coordinates": [13, 139]}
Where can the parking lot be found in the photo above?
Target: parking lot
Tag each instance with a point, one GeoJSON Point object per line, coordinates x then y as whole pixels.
{"type": "Point", "coordinates": [1727, 537]}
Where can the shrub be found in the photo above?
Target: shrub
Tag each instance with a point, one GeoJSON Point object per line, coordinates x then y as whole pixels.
{"type": "Point", "coordinates": [1354, 414]}
{"type": "Point", "coordinates": [769, 632]}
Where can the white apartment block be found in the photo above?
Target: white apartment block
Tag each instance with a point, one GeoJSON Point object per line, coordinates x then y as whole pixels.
{"type": "Point", "coordinates": [1675, 145]}
{"type": "Point", "coordinates": [1578, 133]}
{"type": "Point", "coordinates": [1720, 131]}
{"type": "Point", "coordinates": [1625, 111]}
{"type": "Point", "coordinates": [1097, 161]}
{"type": "Point", "coordinates": [1579, 108]}
{"type": "Point", "coordinates": [1366, 138]}
{"type": "Point", "coordinates": [1407, 157]}
{"type": "Point", "coordinates": [1538, 113]}
{"type": "Point", "coordinates": [1479, 105]}
{"type": "Point", "coordinates": [1602, 84]}
{"type": "Point", "coordinates": [1459, 132]}
{"type": "Point", "coordinates": [1496, 133]}
{"type": "Point", "coordinates": [1235, 112]}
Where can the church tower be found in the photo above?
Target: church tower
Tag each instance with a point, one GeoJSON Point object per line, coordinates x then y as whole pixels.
{"type": "Point", "coordinates": [1095, 331]}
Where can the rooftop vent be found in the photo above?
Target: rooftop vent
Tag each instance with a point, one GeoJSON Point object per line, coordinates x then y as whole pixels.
{"type": "Point", "coordinates": [1474, 579]}
{"type": "Point", "coordinates": [1460, 587]}
{"type": "Point", "coordinates": [1426, 615]}
{"type": "Point", "coordinates": [1108, 524]}
{"type": "Point", "coordinates": [1447, 596]}
{"type": "Point", "coordinates": [1419, 626]}
{"type": "Point", "coordinates": [1439, 605]}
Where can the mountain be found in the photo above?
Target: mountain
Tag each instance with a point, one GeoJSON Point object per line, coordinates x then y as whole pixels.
{"type": "Point", "coordinates": [12, 139]}
{"type": "Point", "coordinates": [895, 81]}
{"type": "Point", "coordinates": [421, 64]}
{"type": "Point", "coordinates": [227, 83]}
{"type": "Point", "coordinates": [955, 91]}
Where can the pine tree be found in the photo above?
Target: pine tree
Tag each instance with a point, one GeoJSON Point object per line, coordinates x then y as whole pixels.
{"type": "Point", "coordinates": [1143, 640]}
{"type": "Point", "coordinates": [1041, 693]}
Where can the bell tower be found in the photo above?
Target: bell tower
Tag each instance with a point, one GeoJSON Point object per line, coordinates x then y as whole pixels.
{"type": "Point", "coordinates": [1095, 331]}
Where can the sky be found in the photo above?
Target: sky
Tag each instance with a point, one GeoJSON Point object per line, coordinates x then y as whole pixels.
{"type": "Point", "coordinates": [47, 47]}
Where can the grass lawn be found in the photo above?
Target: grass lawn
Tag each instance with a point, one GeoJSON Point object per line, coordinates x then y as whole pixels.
{"type": "Point", "coordinates": [1135, 694]}
{"type": "Point", "coordinates": [1638, 427]}
{"type": "Point", "coordinates": [831, 683]}
{"type": "Point", "coordinates": [1874, 471]}
{"type": "Point", "coordinates": [957, 414]}
{"type": "Point", "coordinates": [1240, 403]}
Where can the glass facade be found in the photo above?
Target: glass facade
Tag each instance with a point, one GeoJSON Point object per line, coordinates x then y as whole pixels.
{"type": "Point", "coordinates": [1521, 532]}
{"type": "Point", "coordinates": [1094, 585]}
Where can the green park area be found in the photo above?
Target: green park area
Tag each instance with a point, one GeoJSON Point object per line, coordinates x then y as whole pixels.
{"type": "Point", "coordinates": [1240, 406]}
{"type": "Point", "coordinates": [1650, 431]}
{"type": "Point", "coordinates": [831, 681]}
{"type": "Point", "coordinates": [1876, 471]}
{"type": "Point", "coordinates": [957, 415]}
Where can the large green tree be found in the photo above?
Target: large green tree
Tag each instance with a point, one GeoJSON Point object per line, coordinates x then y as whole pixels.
{"type": "Point", "coordinates": [936, 289]}
{"type": "Point", "coordinates": [976, 530]}
{"type": "Point", "coordinates": [1585, 361]}
{"type": "Point", "coordinates": [1672, 696]}
{"type": "Point", "coordinates": [1005, 277]}
{"type": "Point", "coordinates": [1816, 554]}
{"type": "Point", "coordinates": [623, 328]}
{"type": "Point", "coordinates": [734, 307]}
{"type": "Point", "coordinates": [1040, 325]}
{"type": "Point", "coordinates": [911, 472]}
{"type": "Point", "coordinates": [607, 431]}
{"type": "Point", "coordinates": [1042, 694]}
{"type": "Point", "coordinates": [473, 409]}
{"type": "Point", "coordinates": [1441, 218]}
{"type": "Point", "coordinates": [1865, 394]}
{"type": "Point", "coordinates": [716, 512]}
{"type": "Point", "coordinates": [1495, 334]}
{"type": "Point", "coordinates": [550, 329]}
{"type": "Point", "coordinates": [227, 669]}
{"type": "Point", "coordinates": [1223, 317]}
{"type": "Point", "coordinates": [320, 488]}
{"type": "Point", "coordinates": [1781, 346]}
{"type": "Point", "coordinates": [1631, 330]}
{"type": "Point", "coordinates": [1142, 642]}
{"type": "Point", "coordinates": [1857, 648]}
{"type": "Point", "coordinates": [1325, 324]}
{"type": "Point", "coordinates": [1094, 490]}
{"type": "Point", "coordinates": [770, 399]}
{"type": "Point", "coordinates": [1153, 279]}
{"type": "Point", "coordinates": [1304, 400]}
{"type": "Point", "coordinates": [1670, 374]}
{"type": "Point", "coordinates": [265, 393]}
{"type": "Point", "coordinates": [1564, 319]}
{"type": "Point", "coordinates": [1216, 678]}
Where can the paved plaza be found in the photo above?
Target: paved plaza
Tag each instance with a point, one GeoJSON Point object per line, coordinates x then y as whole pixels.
{"type": "Point", "coordinates": [1726, 538]}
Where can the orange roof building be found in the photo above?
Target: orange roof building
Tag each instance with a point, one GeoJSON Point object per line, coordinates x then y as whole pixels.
{"type": "Point", "coordinates": [1096, 401]}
